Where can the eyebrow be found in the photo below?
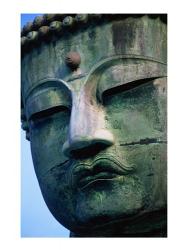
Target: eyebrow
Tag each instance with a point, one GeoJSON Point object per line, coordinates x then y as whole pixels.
{"type": "Point", "coordinates": [106, 63]}
{"type": "Point", "coordinates": [47, 84]}
{"type": "Point", "coordinates": [109, 61]}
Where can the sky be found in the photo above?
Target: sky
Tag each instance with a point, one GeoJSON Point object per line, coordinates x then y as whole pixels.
{"type": "Point", "coordinates": [36, 219]}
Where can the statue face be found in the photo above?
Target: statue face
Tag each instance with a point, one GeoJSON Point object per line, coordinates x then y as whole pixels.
{"type": "Point", "coordinates": [98, 140]}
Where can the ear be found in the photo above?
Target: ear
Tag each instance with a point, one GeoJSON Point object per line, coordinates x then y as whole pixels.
{"type": "Point", "coordinates": [24, 124]}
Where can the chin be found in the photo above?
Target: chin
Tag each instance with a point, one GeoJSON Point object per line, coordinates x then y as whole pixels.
{"type": "Point", "coordinates": [108, 200]}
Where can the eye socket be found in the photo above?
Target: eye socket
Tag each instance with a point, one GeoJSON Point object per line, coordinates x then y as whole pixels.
{"type": "Point", "coordinates": [48, 112]}
{"type": "Point", "coordinates": [125, 87]}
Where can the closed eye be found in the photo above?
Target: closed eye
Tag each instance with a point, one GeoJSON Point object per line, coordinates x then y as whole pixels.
{"type": "Point", "coordinates": [48, 112]}
{"type": "Point", "coordinates": [126, 87]}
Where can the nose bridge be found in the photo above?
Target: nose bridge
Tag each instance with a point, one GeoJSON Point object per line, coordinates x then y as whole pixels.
{"type": "Point", "coordinates": [85, 117]}
{"type": "Point", "coordinates": [87, 125]}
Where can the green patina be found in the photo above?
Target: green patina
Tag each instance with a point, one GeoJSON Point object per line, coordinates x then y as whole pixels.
{"type": "Point", "coordinates": [98, 131]}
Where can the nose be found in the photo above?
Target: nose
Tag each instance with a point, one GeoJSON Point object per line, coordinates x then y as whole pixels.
{"type": "Point", "coordinates": [88, 134]}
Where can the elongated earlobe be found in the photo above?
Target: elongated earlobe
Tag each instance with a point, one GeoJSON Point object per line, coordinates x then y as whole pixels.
{"type": "Point", "coordinates": [24, 124]}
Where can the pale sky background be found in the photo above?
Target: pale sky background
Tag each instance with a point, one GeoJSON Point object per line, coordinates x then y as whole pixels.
{"type": "Point", "coordinates": [36, 219]}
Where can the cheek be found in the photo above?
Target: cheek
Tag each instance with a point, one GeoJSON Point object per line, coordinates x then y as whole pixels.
{"type": "Point", "coordinates": [47, 138]}
{"type": "Point", "coordinates": [137, 114]}
{"type": "Point", "coordinates": [150, 162]}
{"type": "Point", "coordinates": [58, 194]}
{"type": "Point", "coordinates": [133, 117]}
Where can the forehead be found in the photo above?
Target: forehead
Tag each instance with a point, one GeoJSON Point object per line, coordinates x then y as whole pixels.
{"type": "Point", "coordinates": [143, 37]}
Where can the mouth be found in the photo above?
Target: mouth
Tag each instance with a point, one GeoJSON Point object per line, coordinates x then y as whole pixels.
{"type": "Point", "coordinates": [102, 176]}
{"type": "Point", "coordinates": [102, 169]}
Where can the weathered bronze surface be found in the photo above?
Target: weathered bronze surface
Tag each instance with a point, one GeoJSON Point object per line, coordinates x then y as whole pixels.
{"type": "Point", "coordinates": [98, 128]}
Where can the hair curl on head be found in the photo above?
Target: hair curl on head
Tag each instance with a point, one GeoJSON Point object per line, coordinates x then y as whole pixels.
{"type": "Point", "coordinates": [52, 26]}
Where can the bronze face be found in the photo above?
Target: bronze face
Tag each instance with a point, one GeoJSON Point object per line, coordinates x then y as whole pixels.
{"type": "Point", "coordinates": [98, 132]}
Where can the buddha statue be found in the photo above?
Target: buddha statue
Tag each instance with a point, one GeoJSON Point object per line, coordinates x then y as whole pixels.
{"type": "Point", "coordinates": [94, 91]}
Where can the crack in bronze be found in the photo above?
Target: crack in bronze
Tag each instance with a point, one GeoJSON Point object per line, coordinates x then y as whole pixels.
{"type": "Point", "coordinates": [145, 141]}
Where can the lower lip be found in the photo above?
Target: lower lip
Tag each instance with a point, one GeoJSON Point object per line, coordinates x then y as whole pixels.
{"type": "Point", "coordinates": [101, 177]}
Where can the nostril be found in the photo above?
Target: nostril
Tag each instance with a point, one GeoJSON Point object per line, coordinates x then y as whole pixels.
{"type": "Point", "coordinates": [88, 151]}
{"type": "Point", "coordinates": [81, 146]}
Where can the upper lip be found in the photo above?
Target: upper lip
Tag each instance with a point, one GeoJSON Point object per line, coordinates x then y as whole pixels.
{"type": "Point", "coordinates": [102, 168]}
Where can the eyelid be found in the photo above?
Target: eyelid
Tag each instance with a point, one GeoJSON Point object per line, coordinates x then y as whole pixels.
{"type": "Point", "coordinates": [47, 100]}
{"type": "Point", "coordinates": [126, 87]}
{"type": "Point", "coordinates": [122, 74]}
{"type": "Point", "coordinates": [47, 112]}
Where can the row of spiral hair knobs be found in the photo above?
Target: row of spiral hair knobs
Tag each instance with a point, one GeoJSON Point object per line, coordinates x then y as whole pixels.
{"type": "Point", "coordinates": [44, 27]}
